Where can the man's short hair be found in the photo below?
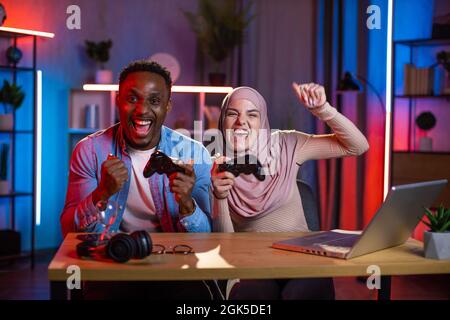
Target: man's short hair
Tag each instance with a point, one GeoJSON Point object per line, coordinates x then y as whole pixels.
{"type": "Point", "coordinates": [149, 66]}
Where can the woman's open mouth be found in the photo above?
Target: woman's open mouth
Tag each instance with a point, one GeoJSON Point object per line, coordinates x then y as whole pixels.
{"type": "Point", "coordinates": [241, 133]}
{"type": "Point", "coordinates": [241, 138]}
{"type": "Point", "coordinates": [141, 127]}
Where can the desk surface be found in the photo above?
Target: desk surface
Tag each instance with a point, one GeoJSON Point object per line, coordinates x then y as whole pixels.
{"type": "Point", "coordinates": [240, 255]}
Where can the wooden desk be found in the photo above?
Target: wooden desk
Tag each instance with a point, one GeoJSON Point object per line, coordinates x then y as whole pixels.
{"type": "Point", "coordinates": [239, 255]}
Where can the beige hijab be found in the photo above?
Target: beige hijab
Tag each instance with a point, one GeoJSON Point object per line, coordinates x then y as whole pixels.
{"type": "Point", "coordinates": [250, 197]}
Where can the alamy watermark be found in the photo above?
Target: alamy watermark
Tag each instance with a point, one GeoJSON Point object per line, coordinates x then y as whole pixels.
{"type": "Point", "coordinates": [374, 280]}
{"type": "Point", "coordinates": [374, 20]}
{"type": "Point", "coordinates": [73, 21]}
{"type": "Point", "coordinates": [74, 279]}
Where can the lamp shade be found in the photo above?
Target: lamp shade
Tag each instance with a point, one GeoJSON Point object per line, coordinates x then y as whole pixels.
{"type": "Point", "coordinates": [348, 83]}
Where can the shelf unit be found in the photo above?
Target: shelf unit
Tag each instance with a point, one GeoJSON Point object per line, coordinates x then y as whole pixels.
{"type": "Point", "coordinates": [411, 45]}
{"type": "Point", "coordinates": [77, 132]}
{"type": "Point", "coordinates": [200, 90]}
{"type": "Point", "coordinates": [411, 165]}
{"type": "Point", "coordinates": [13, 34]}
{"type": "Point", "coordinates": [78, 100]}
{"type": "Point", "coordinates": [423, 96]}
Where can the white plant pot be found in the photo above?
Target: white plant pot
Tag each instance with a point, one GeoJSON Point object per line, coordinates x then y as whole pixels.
{"type": "Point", "coordinates": [104, 77]}
{"type": "Point", "coordinates": [437, 245]}
{"type": "Point", "coordinates": [4, 187]}
{"type": "Point", "coordinates": [6, 122]}
{"type": "Point", "coordinates": [425, 144]}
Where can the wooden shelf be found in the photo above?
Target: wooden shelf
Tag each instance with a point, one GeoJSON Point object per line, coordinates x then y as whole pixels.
{"type": "Point", "coordinates": [16, 131]}
{"type": "Point", "coordinates": [423, 96]}
{"type": "Point", "coordinates": [413, 98]}
{"type": "Point", "coordinates": [16, 194]}
{"type": "Point", "coordinates": [423, 152]}
{"type": "Point", "coordinates": [15, 68]}
{"type": "Point", "coordinates": [35, 108]}
{"type": "Point", "coordinates": [424, 42]}
{"type": "Point", "coordinates": [82, 130]}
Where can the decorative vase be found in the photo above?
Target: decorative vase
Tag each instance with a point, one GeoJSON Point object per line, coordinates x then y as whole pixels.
{"type": "Point", "coordinates": [439, 80]}
{"type": "Point", "coordinates": [425, 144]}
{"type": "Point", "coordinates": [6, 122]}
{"type": "Point", "coordinates": [447, 83]}
{"type": "Point", "coordinates": [104, 77]}
{"type": "Point", "coordinates": [4, 187]}
{"type": "Point", "coordinates": [91, 119]}
{"type": "Point", "coordinates": [217, 79]}
{"type": "Point", "coordinates": [436, 245]}
{"type": "Point", "coordinates": [13, 54]}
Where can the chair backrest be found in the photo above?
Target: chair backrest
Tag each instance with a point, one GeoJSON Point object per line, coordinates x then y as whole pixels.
{"type": "Point", "coordinates": [309, 205]}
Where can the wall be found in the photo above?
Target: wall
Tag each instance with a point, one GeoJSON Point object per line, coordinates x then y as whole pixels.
{"type": "Point", "coordinates": [279, 49]}
{"type": "Point", "coordinates": [138, 29]}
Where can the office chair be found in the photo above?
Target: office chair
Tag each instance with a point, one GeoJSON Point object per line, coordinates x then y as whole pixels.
{"type": "Point", "coordinates": [309, 205]}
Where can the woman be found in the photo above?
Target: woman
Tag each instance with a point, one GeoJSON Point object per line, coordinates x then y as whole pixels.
{"type": "Point", "coordinates": [244, 203]}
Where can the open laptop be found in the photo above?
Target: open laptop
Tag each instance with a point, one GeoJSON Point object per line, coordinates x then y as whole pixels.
{"type": "Point", "coordinates": [392, 225]}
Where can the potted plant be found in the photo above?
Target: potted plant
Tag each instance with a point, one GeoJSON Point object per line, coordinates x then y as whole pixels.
{"type": "Point", "coordinates": [99, 52]}
{"type": "Point", "coordinates": [4, 185]}
{"type": "Point", "coordinates": [11, 98]}
{"type": "Point", "coordinates": [219, 27]}
{"type": "Point", "coordinates": [437, 240]}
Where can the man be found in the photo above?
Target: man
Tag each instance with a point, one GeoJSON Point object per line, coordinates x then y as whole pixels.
{"type": "Point", "coordinates": [109, 165]}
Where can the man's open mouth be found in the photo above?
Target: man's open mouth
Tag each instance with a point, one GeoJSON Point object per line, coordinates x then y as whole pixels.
{"type": "Point", "coordinates": [142, 127]}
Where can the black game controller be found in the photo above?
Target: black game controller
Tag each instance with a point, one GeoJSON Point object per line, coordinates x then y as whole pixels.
{"type": "Point", "coordinates": [161, 163]}
{"type": "Point", "coordinates": [247, 164]}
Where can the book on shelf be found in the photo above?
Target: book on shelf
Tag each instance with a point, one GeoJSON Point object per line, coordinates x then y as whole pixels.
{"type": "Point", "coordinates": [418, 81]}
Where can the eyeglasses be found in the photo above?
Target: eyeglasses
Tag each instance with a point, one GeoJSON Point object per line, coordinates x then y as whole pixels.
{"type": "Point", "coordinates": [178, 249]}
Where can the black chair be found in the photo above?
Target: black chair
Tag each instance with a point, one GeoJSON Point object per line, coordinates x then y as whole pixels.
{"type": "Point", "coordinates": [309, 205]}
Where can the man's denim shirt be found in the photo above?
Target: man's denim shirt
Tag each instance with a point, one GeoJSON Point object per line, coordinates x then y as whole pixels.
{"type": "Point", "coordinates": [85, 170]}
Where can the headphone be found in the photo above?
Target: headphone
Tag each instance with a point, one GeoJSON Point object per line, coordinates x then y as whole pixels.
{"type": "Point", "coordinates": [121, 247]}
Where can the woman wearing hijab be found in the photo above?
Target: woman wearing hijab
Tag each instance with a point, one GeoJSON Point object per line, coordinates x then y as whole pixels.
{"type": "Point", "coordinates": [245, 203]}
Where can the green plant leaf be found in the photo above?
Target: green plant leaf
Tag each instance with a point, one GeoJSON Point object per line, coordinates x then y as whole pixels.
{"type": "Point", "coordinates": [11, 94]}
{"type": "Point", "coordinates": [99, 51]}
{"type": "Point", "coordinates": [445, 227]}
{"type": "Point", "coordinates": [432, 218]}
{"type": "Point", "coordinates": [440, 212]}
{"type": "Point", "coordinates": [439, 220]}
{"type": "Point", "coordinates": [219, 27]}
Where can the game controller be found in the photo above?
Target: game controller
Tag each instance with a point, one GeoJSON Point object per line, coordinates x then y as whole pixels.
{"type": "Point", "coordinates": [247, 164]}
{"type": "Point", "coordinates": [161, 163]}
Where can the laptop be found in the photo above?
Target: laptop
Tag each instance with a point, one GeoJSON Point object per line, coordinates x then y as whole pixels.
{"type": "Point", "coordinates": [391, 226]}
